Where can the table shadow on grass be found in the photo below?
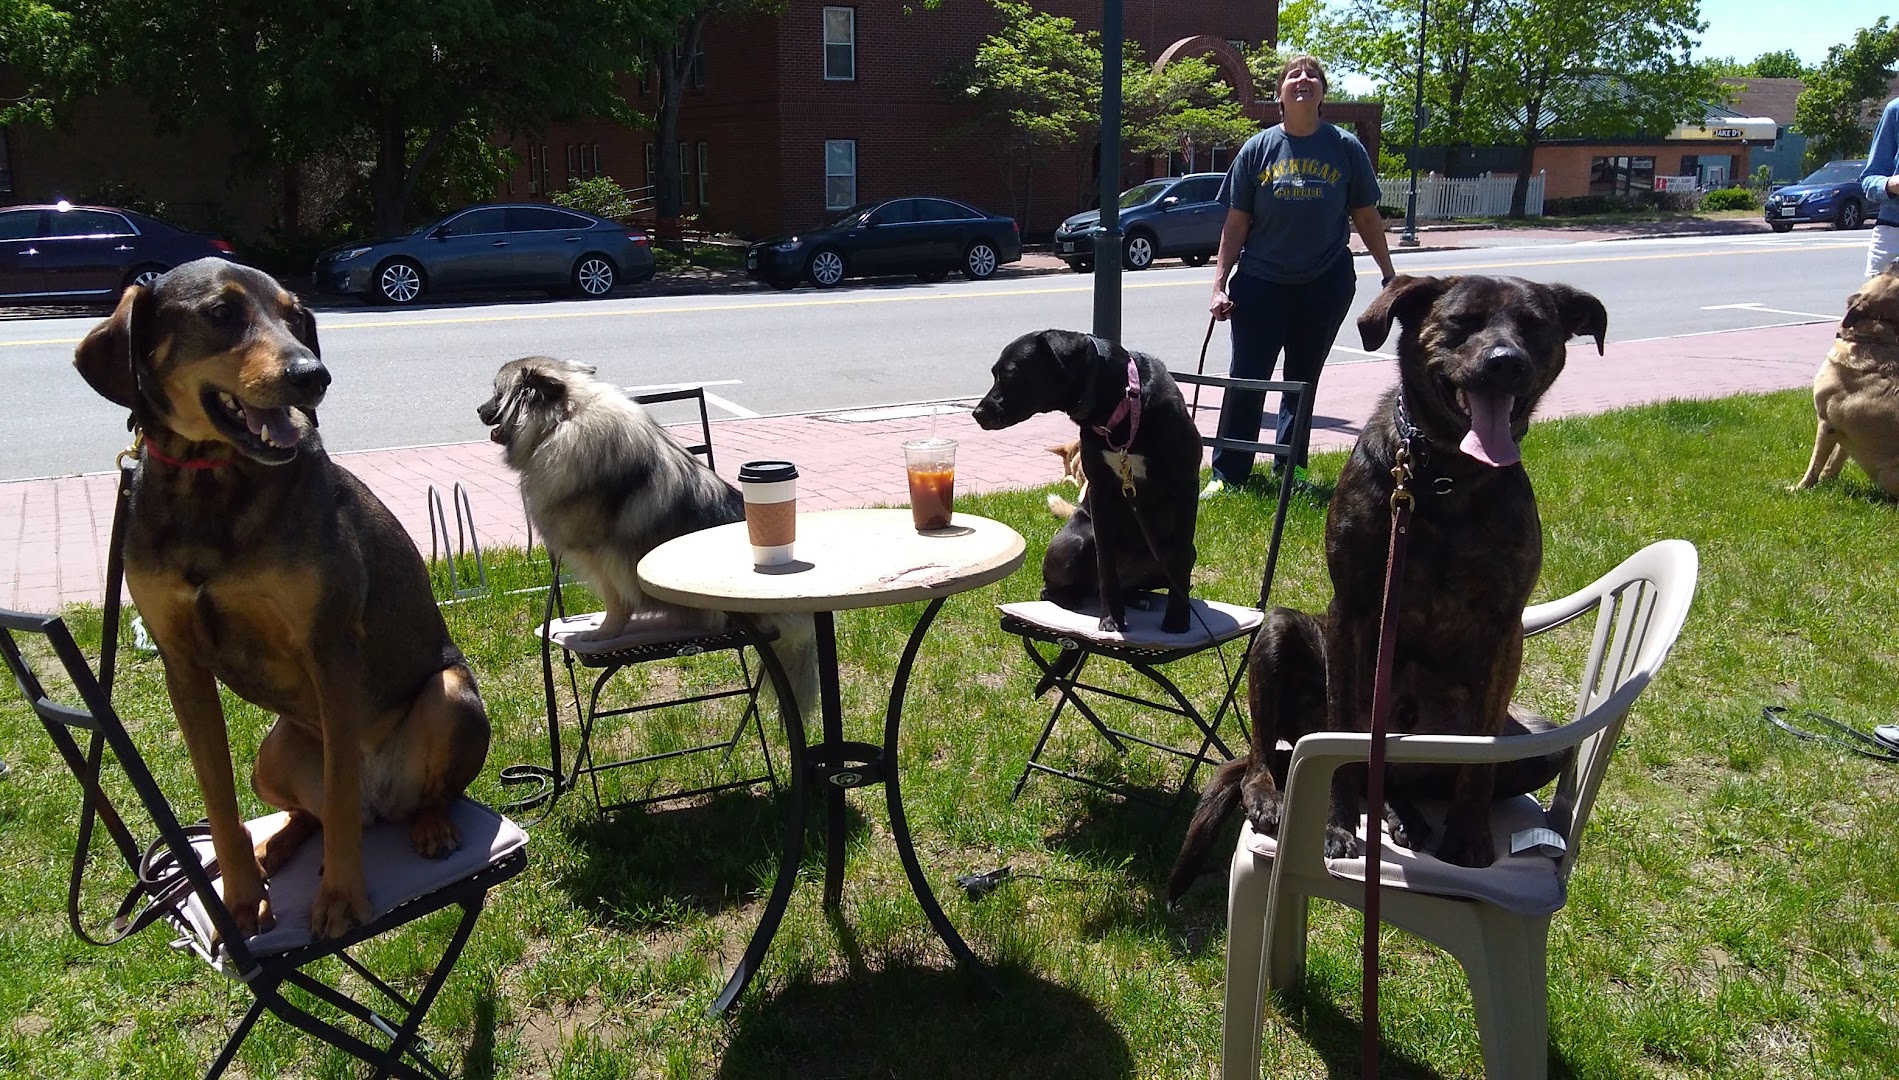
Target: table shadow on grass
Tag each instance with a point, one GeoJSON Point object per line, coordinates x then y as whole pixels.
{"type": "Point", "coordinates": [907, 1021]}
{"type": "Point", "coordinates": [637, 868]}
{"type": "Point", "coordinates": [1337, 1037]}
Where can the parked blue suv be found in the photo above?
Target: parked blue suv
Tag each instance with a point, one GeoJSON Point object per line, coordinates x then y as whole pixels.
{"type": "Point", "coordinates": [1172, 216]}
{"type": "Point", "coordinates": [1830, 194]}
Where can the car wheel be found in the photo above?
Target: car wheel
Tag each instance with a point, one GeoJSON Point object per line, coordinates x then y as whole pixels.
{"type": "Point", "coordinates": [143, 276]}
{"type": "Point", "coordinates": [826, 269]}
{"type": "Point", "coordinates": [1850, 215]}
{"type": "Point", "coordinates": [1195, 260]}
{"type": "Point", "coordinates": [1137, 251]}
{"type": "Point", "coordinates": [1780, 226]}
{"type": "Point", "coordinates": [399, 281]}
{"type": "Point", "coordinates": [980, 261]}
{"type": "Point", "coordinates": [593, 276]}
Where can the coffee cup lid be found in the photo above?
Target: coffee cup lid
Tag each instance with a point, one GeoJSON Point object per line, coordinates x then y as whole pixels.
{"type": "Point", "coordinates": [766, 472]}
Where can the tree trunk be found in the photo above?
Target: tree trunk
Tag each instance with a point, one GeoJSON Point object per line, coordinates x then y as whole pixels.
{"type": "Point", "coordinates": [387, 184]}
{"type": "Point", "coordinates": [1526, 160]}
{"type": "Point", "coordinates": [675, 71]}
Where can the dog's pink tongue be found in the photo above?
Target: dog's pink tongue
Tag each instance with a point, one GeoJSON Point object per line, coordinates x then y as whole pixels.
{"type": "Point", "coordinates": [1488, 439]}
{"type": "Point", "coordinates": [274, 425]}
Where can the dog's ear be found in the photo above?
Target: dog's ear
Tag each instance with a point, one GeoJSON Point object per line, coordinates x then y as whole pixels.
{"type": "Point", "coordinates": [1853, 311]}
{"type": "Point", "coordinates": [577, 366]}
{"type": "Point", "coordinates": [1583, 315]}
{"type": "Point", "coordinates": [303, 327]}
{"type": "Point", "coordinates": [1406, 299]}
{"type": "Point", "coordinates": [106, 356]}
{"type": "Point", "coordinates": [543, 384]}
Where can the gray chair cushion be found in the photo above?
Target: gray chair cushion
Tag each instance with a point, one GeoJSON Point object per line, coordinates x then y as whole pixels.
{"type": "Point", "coordinates": [1212, 622]}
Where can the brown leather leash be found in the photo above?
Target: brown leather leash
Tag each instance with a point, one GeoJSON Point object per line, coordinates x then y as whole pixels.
{"type": "Point", "coordinates": [1401, 506]}
{"type": "Point", "coordinates": [1193, 411]}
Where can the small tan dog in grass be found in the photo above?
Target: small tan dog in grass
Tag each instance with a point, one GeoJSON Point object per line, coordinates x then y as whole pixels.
{"type": "Point", "coordinates": [1856, 390]}
{"type": "Point", "coordinates": [1070, 453]}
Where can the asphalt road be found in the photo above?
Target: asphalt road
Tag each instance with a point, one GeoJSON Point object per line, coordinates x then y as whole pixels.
{"type": "Point", "coordinates": [414, 377]}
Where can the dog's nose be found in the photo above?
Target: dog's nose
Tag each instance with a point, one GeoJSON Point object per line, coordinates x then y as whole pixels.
{"type": "Point", "coordinates": [307, 375]}
{"type": "Point", "coordinates": [1508, 362]}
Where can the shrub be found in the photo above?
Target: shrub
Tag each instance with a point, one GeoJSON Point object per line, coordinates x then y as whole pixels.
{"type": "Point", "coordinates": [1732, 198]}
{"type": "Point", "coordinates": [597, 195]}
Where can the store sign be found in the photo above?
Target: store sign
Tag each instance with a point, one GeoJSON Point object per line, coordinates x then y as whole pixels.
{"type": "Point", "coordinates": [1674, 183]}
{"type": "Point", "coordinates": [1727, 133]}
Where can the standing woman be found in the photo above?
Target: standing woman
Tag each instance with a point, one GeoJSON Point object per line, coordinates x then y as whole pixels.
{"type": "Point", "coordinates": [1293, 194]}
{"type": "Point", "coordinates": [1880, 181]}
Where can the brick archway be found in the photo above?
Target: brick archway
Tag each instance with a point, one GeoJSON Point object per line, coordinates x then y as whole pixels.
{"type": "Point", "coordinates": [1224, 56]}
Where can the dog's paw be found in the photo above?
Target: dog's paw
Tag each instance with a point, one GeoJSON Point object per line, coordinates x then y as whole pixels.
{"type": "Point", "coordinates": [1111, 625]}
{"type": "Point", "coordinates": [250, 907]}
{"type": "Point", "coordinates": [1173, 625]}
{"type": "Point", "coordinates": [1408, 828]}
{"type": "Point", "coordinates": [1341, 844]}
{"type": "Point", "coordinates": [338, 908]}
{"type": "Point", "coordinates": [433, 835]}
{"type": "Point", "coordinates": [1261, 800]}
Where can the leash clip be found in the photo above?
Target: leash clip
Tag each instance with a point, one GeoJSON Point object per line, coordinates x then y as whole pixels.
{"type": "Point", "coordinates": [128, 457]}
{"type": "Point", "coordinates": [1401, 476]}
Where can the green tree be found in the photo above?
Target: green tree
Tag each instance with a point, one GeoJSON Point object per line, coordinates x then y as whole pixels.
{"type": "Point", "coordinates": [1832, 111]}
{"type": "Point", "coordinates": [1033, 86]}
{"type": "Point", "coordinates": [1522, 73]}
{"type": "Point", "coordinates": [1184, 105]}
{"type": "Point", "coordinates": [36, 44]}
{"type": "Point", "coordinates": [398, 82]}
{"type": "Point", "coordinates": [1784, 64]}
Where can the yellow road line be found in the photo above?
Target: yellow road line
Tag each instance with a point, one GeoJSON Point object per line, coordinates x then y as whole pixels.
{"type": "Point", "coordinates": [842, 301]}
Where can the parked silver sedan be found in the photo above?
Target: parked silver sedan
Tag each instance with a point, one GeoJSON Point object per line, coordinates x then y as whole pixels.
{"type": "Point", "coordinates": [492, 246]}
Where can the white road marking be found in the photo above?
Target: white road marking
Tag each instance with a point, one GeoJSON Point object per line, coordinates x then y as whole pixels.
{"type": "Point", "coordinates": [1764, 309]}
{"type": "Point", "coordinates": [738, 411]}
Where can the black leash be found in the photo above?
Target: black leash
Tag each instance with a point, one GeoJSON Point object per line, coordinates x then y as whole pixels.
{"type": "Point", "coordinates": [1855, 740]}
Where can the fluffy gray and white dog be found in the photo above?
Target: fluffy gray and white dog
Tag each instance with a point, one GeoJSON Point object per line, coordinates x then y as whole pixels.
{"type": "Point", "coordinates": [605, 484]}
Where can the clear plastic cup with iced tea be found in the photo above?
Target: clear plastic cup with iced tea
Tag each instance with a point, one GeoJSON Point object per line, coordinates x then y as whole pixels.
{"type": "Point", "coordinates": [931, 464]}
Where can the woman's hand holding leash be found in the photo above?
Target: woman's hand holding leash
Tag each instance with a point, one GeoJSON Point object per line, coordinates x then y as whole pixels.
{"type": "Point", "coordinates": [1220, 306]}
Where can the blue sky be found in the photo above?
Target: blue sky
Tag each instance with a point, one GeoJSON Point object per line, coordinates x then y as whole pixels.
{"type": "Point", "coordinates": [1745, 29]}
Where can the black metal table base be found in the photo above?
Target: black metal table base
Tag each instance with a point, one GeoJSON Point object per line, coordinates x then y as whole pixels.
{"type": "Point", "coordinates": [834, 766]}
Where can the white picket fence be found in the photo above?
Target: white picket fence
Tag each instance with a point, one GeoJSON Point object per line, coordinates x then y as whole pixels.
{"type": "Point", "coordinates": [1443, 197]}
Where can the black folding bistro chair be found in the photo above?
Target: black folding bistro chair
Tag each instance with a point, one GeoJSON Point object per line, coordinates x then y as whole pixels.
{"type": "Point", "coordinates": [589, 704]}
{"type": "Point", "coordinates": [1078, 642]}
{"type": "Point", "coordinates": [176, 880]}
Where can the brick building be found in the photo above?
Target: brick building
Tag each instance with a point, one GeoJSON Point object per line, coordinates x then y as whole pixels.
{"type": "Point", "coordinates": [792, 116]}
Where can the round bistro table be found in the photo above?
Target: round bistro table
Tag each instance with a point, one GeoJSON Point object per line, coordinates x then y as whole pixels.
{"type": "Point", "coordinates": [845, 559]}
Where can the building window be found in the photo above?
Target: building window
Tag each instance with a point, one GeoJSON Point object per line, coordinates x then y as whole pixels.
{"type": "Point", "coordinates": [6, 165]}
{"type": "Point", "coordinates": [651, 171]}
{"type": "Point", "coordinates": [840, 43]}
{"type": "Point", "coordinates": [1621, 175]}
{"type": "Point", "coordinates": [699, 68]}
{"type": "Point", "coordinates": [538, 183]}
{"type": "Point", "coordinates": [840, 173]}
{"type": "Point", "coordinates": [705, 186]}
{"type": "Point", "coordinates": [583, 161]}
{"type": "Point", "coordinates": [685, 170]}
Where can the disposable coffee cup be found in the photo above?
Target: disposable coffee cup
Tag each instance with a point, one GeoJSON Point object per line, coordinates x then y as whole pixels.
{"type": "Point", "coordinates": [771, 509]}
{"type": "Point", "coordinates": [931, 464]}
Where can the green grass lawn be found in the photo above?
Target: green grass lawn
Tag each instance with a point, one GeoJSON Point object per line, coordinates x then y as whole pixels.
{"type": "Point", "coordinates": [1733, 913]}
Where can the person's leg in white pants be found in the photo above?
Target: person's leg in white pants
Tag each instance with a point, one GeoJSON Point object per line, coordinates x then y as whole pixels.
{"type": "Point", "coordinates": [1883, 250]}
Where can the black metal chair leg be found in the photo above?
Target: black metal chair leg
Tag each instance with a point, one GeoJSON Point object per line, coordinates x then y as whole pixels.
{"type": "Point", "coordinates": [236, 1040]}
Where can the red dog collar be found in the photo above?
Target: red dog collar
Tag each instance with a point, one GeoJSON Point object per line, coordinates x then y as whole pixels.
{"type": "Point", "coordinates": [1129, 408]}
{"type": "Point", "coordinates": [181, 463]}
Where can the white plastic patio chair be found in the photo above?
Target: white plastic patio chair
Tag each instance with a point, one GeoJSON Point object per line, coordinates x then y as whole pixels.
{"type": "Point", "coordinates": [1493, 920]}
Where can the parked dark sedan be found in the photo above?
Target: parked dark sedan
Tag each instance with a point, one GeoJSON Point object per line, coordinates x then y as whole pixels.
{"type": "Point", "coordinates": [61, 252]}
{"type": "Point", "coordinates": [1830, 194]}
{"type": "Point", "coordinates": [492, 246]}
{"type": "Point", "coordinates": [1175, 215]}
{"type": "Point", "coordinates": [928, 237]}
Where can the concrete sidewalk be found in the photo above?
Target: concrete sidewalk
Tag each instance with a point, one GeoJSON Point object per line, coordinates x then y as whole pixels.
{"type": "Point", "coordinates": [53, 532]}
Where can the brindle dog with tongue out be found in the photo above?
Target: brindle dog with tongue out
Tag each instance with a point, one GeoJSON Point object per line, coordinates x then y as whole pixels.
{"type": "Point", "coordinates": [1475, 356]}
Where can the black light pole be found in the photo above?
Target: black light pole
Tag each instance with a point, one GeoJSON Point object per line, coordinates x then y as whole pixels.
{"type": "Point", "coordinates": [1108, 239]}
{"type": "Point", "coordinates": [1410, 237]}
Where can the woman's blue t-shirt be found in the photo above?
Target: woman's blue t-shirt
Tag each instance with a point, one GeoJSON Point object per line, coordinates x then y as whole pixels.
{"type": "Point", "coordinates": [1299, 190]}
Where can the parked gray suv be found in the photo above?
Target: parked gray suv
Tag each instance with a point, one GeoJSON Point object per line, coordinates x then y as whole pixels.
{"type": "Point", "coordinates": [1168, 217]}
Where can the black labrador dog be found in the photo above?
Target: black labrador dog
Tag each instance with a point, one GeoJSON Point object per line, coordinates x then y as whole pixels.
{"type": "Point", "coordinates": [1475, 356]}
{"type": "Point", "coordinates": [1140, 453]}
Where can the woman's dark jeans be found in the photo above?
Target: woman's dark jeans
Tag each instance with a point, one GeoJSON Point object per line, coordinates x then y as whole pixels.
{"type": "Point", "coordinates": [1301, 319]}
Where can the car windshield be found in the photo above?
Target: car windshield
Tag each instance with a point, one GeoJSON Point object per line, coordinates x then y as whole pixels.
{"type": "Point", "coordinates": [1835, 172]}
{"type": "Point", "coordinates": [848, 218]}
{"type": "Point", "coordinates": [1141, 196]}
